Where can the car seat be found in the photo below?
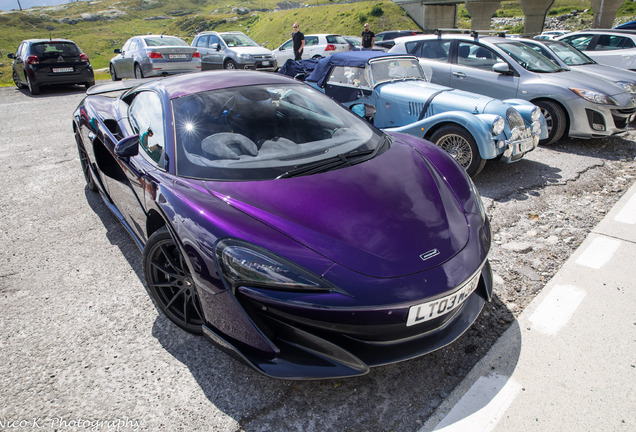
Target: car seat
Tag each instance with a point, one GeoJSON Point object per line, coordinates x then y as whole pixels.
{"type": "Point", "coordinates": [253, 115]}
{"type": "Point", "coordinates": [464, 51]}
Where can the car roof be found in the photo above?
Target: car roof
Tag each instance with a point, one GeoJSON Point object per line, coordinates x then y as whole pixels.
{"type": "Point", "coordinates": [49, 40]}
{"type": "Point", "coordinates": [176, 86]}
{"type": "Point", "coordinates": [604, 31]}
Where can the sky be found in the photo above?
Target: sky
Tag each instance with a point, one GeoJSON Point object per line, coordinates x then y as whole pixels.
{"type": "Point", "coordinates": [7, 5]}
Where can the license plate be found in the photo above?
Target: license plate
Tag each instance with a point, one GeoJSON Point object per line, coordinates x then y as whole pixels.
{"type": "Point", "coordinates": [432, 309]}
{"type": "Point", "coordinates": [66, 69]}
{"type": "Point", "coordinates": [265, 63]}
{"type": "Point", "coordinates": [177, 56]}
{"type": "Point", "coordinates": [526, 145]}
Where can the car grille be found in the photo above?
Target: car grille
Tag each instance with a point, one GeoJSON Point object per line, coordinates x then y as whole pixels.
{"type": "Point", "coordinates": [514, 119]}
{"type": "Point", "coordinates": [621, 116]}
{"type": "Point", "coordinates": [415, 108]}
{"type": "Point", "coordinates": [263, 57]}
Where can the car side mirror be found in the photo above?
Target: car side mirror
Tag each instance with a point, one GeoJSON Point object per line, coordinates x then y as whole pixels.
{"type": "Point", "coordinates": [117, 51]}
{"type": "Point", "coordinates": [127, 147]}
{"type": "Point", "coordinates": [11, 55]}
{"type": "Point", "coordinates": [501, 68]}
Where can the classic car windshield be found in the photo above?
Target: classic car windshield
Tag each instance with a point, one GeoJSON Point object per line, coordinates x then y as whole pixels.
{"type": "Point", "coordinates": [396, 69]}
{"type": "Point", "coordinates": [265, 131]}
{"type": "Point", "coordinates": [528, 58]}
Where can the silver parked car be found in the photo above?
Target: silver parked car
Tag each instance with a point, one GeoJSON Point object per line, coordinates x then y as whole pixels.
{"type": "Point", "coordinates": [154, 55]}
{"type": "Point", "coordinates": [611, 47]}
{"type": "Point", "coordinates": [504, 68]}
{"type": "Point", "coordinates": [316, 45]}
{"type": "Point", "coordinates": [567, 56]}
{"type": "Point", "coordinates": [232, 50]}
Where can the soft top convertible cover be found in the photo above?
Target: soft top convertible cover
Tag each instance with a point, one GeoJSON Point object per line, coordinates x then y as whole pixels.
{"type": "Point", "coordinates": [351, 58]}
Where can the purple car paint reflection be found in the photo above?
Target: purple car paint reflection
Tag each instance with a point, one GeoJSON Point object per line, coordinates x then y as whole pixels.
{"type": "Point", "coordinates": [285, 228]}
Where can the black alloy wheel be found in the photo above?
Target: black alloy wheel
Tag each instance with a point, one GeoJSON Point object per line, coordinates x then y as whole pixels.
{"type": "Point", "coordinates": [85, 163]}
{"type": "Point", "coordinates": [170, 283]}
{"type": "Point", "coordinates": [555, 119]}
{"type": "Point", "coordinates": [33, 87]}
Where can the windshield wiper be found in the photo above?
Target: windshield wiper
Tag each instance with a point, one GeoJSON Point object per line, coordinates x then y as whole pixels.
{"type": "Point", "coordinates": [341, 160]}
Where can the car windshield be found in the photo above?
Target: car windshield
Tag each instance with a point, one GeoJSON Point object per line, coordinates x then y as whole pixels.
{"type": "Point", "coordinates": [570, 55]}
{"type": "Point", "coordinates": [528, 58]}
{"type": "Point", "coordinates": [396, 69]}
{"type": "Point", "coordinates": [238, 40]}
{"type": "Point", "coordinates": [264, 132]}
{"type": "Point", "coordinates": [164, 41]}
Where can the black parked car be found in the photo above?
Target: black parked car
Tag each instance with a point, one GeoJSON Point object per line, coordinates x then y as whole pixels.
{"type": "Point", "coordinates": [43, 62]}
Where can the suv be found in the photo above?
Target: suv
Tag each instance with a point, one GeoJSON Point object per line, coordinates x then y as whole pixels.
{"type": "Point", "coordinates": [610, 47]}
{"type": "Point", "coordinates": [43, 62]}
{"type": "Point", "coordinates": [316, 45]}
{"type": "Point", "coordinates": [573, 104]}
{"type": "Point", "coordinates": [232, 50]}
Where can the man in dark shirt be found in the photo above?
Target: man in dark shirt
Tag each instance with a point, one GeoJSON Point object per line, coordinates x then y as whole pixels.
{"type": "Point", "coordinates": [368, 38]}
{"type": "Point", "coordinates": [299, 42]}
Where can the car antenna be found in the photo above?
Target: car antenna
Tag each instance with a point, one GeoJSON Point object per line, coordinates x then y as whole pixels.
{"type": "Point", "coordinates": [474, 35]}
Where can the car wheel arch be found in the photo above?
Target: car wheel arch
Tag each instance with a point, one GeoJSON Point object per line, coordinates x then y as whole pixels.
{"type": "Point", "coordinates": [476, 162]}
{"type": "Point", "coordinates": [563, 108]}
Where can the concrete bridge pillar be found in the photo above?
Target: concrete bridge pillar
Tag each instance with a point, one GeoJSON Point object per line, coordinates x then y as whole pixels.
{"type": "Point", "coordinates": [431, 17]}
{"type": "Point", "coordinates": [535, 12]}
{"type": "Point", "coordinates": [605, 12]}
{"type": "Point", "coordinates": [481, 13]}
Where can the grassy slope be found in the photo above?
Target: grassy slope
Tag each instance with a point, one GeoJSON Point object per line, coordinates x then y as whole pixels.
{"type": "Point", "coordinates": [185, 18]}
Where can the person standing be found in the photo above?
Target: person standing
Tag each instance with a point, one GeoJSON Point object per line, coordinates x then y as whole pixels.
{"type": "Point", "coordinates": [299, 42]}
{"type": "Point", "coordinates": [368, 38]}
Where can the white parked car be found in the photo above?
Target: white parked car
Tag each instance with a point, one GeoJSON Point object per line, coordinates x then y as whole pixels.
{"type": "Point", "coordinates": [316, 45]}
{"type": "Point", "coordinates": [610, 47]}
{"type": "Point", "coordinates": [552, 34]}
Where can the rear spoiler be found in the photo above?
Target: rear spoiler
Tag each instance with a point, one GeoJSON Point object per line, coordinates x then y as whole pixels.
{"type": "Point", "coordinates": [114, 86]}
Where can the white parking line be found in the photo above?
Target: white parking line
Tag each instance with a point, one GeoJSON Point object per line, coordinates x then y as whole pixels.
{"type": "Point", "coordinates": [628, 212]}
{"type": "Point", "coordinates": [470, 413]}
{"type": "Point", "coordinates": [598, 253]}
{"type": "Point", "coordinates": [556, 308]}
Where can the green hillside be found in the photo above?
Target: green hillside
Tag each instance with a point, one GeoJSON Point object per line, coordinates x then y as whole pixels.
{"type": "Point", "coordinates": [100, 26]}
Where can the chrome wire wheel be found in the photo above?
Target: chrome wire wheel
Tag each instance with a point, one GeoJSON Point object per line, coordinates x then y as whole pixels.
{"type": "Point", "coordinates": [170, 283]}
{"type": "Point", "coordinates": [458, 148]}
{"type": "Point", "coordinates": [460, 144]}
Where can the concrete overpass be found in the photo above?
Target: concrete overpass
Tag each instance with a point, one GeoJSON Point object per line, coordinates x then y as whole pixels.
{"type": "Point", "coordinates": [433, 14]}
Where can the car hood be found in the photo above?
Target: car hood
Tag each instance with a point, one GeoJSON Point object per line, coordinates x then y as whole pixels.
{"type": "Point", "coordinates": [390, 216]}
{"type": "Point", "coordinates": [446, 98]}
{"type": "Point", "coordinates": [574, 79]}
{"type": "Point", "coordinates": [608, 72]}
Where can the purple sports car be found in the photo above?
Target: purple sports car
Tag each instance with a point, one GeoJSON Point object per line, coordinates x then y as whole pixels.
{"type": "Point", "coordinates": [284, 227]}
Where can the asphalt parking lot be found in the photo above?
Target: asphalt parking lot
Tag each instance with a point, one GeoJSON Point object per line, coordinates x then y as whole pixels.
{"type": "Point", "coordinates": [83, 348]}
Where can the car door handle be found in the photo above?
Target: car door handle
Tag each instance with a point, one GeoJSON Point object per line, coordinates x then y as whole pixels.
{"type": "Point", "coordinates": [459, 74]}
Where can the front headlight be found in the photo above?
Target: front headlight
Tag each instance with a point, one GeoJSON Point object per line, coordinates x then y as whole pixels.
{"type": "Point", "coordinates": [594, 96]}
{"type": "Point", "coordinates": [629, 87]}
{"type": "Point", "coordinates": [245, 264]}
{"type": "Point", "coordinates": [498, 125]}
{"type": "Point", "coordinates": [477, 198]}
{"type": "Point", "coordinates": [536, 114]}
{"type": "Point", "coordinates": [245, 56]}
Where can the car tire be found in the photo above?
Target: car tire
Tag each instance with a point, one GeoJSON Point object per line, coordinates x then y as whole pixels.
{"type": "Point", "coordinates": [229, 64]}
{"type": "Point", "coordinates": [17, 82]}
{"type": "Point", "coordinates": [85, 164]}
{"type": "Point", "coordinates": [555, 118]}
{"type": "Point", "coordinates": [113, 74]}
{"type": "Point", "coordinates": [170, 283]}
{"type": "Point", "coordinates": [33, 87]}
{"type": "Point", "coordinates": [139, 74]}
{"type": "Point", "coordinates": [461, 145]}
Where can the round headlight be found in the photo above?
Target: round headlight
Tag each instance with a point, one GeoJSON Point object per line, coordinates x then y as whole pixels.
{"type": "Point", "coordinates": [498, 125]}
{"type": "Point", "coordinates": [536, 114]}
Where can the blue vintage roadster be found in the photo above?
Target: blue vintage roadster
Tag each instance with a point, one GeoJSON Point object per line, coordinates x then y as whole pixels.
{"type": "Point", "coordinates": [394, 93]}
